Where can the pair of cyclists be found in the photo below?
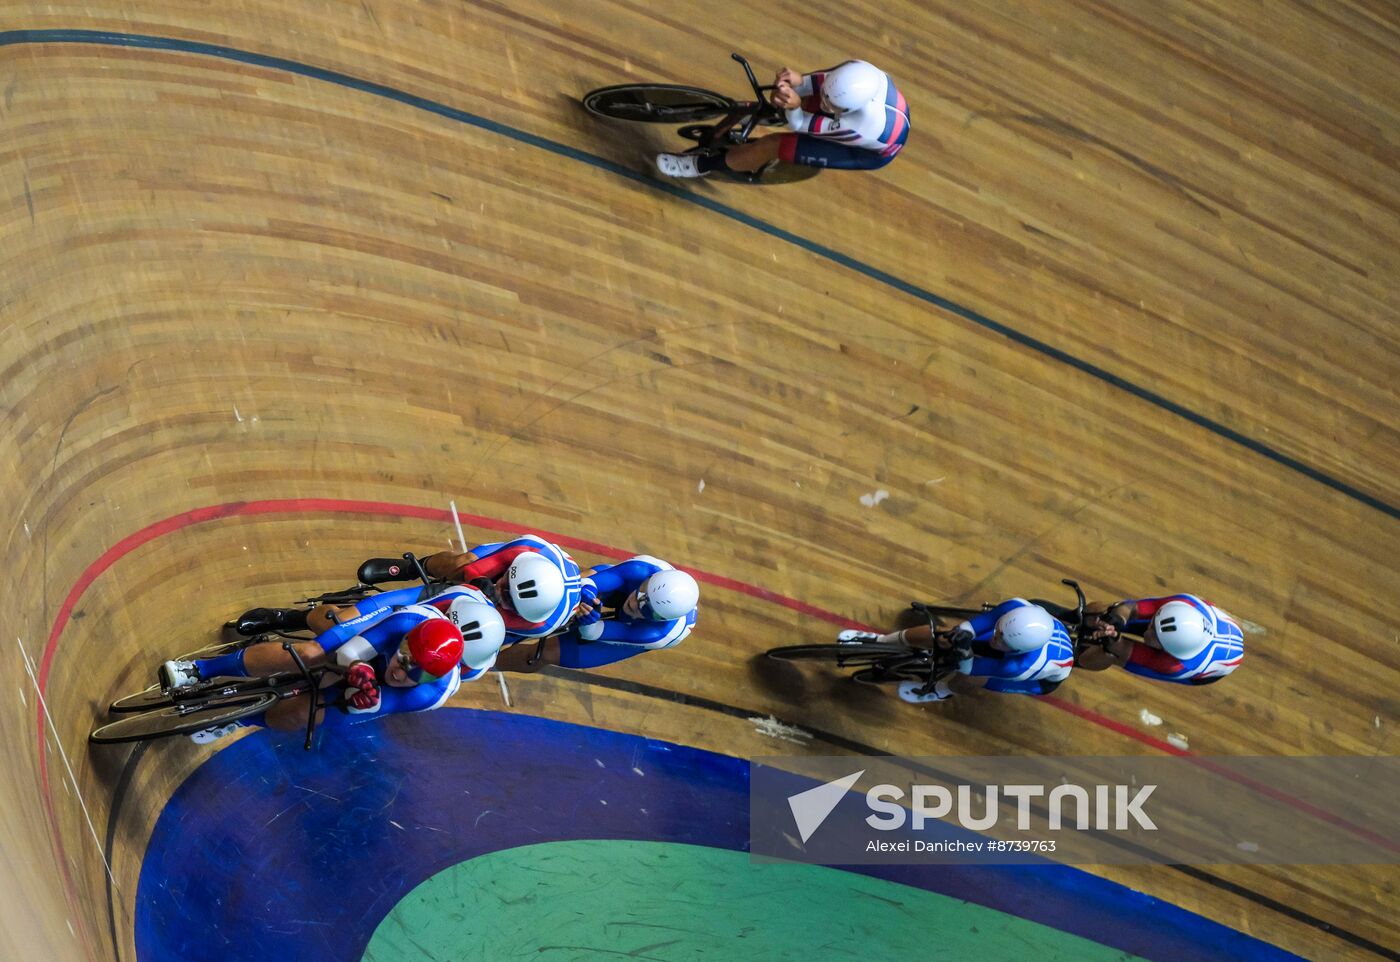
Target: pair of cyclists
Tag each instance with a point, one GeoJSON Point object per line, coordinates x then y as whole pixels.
{"type": "Point", "coordinates": [1023, 647]}
{"type": "Point", "coordinates": [411, 648]}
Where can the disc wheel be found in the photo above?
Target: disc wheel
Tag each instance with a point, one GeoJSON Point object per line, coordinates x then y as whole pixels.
{"type": "Point", "coordinates": [841, 655]}
{"type": "Point", "coordinates": [657, 103]}
{"type": "Point", "coordinates": [180, 720]}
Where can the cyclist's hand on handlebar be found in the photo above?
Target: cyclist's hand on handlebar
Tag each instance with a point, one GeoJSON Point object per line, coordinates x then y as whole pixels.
{"type": "Point", "coordinates": [785, 97]}
{"type": "Point", "coordinates": [960, 638]}
{"type": "Point", "coordinates": [361, 676]}
{"type": "Point", "coordinates": [588, 600]}
{"type": "Point", "coordinates": [788, 76]}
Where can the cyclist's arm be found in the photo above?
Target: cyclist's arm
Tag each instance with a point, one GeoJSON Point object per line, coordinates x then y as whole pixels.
{"type": "Point", "coordinates": [337, 636]}
{"type": "Point", "coordinates": [613, 579]}
{"type": "Point", "coordinates": [388, 599]}
{"type": "Point", "coordinates": [647, 634]}
{"type": "Point", "coordinates": [811, 83]}
{"type": "Point", "coordinates": [815, 124]}
{"type": "Point", "coordinates": [983, 624]}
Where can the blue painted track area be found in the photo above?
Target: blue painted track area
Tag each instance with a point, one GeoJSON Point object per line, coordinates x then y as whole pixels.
{"type": "Point", "coordinates": [269, 852]}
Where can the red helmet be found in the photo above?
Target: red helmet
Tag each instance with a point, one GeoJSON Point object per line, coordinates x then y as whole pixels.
{"type": "Point", "coordinates": [431, 649]}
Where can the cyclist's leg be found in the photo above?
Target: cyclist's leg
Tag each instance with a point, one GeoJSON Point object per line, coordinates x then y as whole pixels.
{"type": "Point", "coordinates": [389, 599]}
{"type": "Point", "coordinates": [267, 657]}
{"type": "Point", "coordinates": [261, 659]}
{"type": "Point", "coordinates": [289, 714]}
{"type": "Point", "coordinates": [752, 156]}
{"type": "Point", "coordinates": [808, 151]}
{"type": "Point", "coordinates": [919, 636]}
{"type": "Point", "coordinates": [270, 657]}
{"type": "Point", "coordinates": [325, 617]}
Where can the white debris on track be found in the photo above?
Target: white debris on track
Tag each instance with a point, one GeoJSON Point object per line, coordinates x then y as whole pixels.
{"type": "Point", "coordinates": [1250, 628]}
{"type": "Point", "coordinates": [1178, 741]}
{"type": "Point", "coordinates": [1148, 718]}
{"type": "Point", "coordinates": [874, 497]}
{"type": "Point", "coordinates": [773, 728]}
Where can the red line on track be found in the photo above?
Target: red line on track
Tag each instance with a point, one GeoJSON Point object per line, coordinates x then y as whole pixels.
{"type": "Point", "coordinates": [293, 506]}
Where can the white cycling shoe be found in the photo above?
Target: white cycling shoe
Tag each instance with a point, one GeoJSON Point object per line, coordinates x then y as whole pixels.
{"type": "Point", "coordinates": [209, 735]}
{"type": "Point", "coordinates": [177, 674]}
{"type": "Point", "coordinates": [907, 691]}
{"type": "Point", "coordinates": [679, 165]}
{"type": "Point", "coordinates": [851, 636]}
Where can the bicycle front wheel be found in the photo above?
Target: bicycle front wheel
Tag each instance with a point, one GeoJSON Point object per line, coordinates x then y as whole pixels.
{"type": "Point", "coordinates": [181, 720]}
{"type": "Point", "coordinates": [841, 655]}
{"type": "Point", "coordinates": [657, 103]}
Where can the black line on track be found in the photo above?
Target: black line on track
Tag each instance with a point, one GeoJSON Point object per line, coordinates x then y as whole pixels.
{"type": "Point", "coordinates": [114, 813]}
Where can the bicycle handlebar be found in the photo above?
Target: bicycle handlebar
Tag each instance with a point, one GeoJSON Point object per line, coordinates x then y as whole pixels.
{"type": "Point", "coordinates": [764, 105]}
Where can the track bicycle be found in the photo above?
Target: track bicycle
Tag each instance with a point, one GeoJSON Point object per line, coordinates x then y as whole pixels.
{"type": "Point", "coordinates": [159, 713]}
{"type": "Point", "coordinates": [691, 107]}
{"type": "Point", "coordinates": [878, 662]}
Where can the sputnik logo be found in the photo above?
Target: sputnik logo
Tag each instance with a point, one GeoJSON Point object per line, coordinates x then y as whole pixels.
{"type": "Point", "coordinates": [811, 808]}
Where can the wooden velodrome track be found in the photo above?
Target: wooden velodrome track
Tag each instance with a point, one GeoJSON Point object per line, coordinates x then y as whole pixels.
{"type": "Point", "coordinates": [1167, 238]}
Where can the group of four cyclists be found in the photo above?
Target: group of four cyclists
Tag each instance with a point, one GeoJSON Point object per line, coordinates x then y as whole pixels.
{"type": "Point", "coordinates": [410, 649]}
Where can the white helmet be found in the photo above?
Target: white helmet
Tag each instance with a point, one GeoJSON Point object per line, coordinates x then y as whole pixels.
{"type": "Point", "coordinates": [667, 595]}
{"type": "Point", "coordinates": [1026, 628]}
{"type": "Point", "coordinates": [853, 85]}
{"type": "Point", "coordinates": [536, 586]}
{"type": "Point", "coordinates": [1181, 630]}
{"type": "Point", "coordinates": [483, 631]}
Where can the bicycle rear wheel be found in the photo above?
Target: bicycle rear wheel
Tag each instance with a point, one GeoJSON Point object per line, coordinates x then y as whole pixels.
{"type": "Point", "coordinates": [181, 720]}
{"type": "Point", "coordinates": [657, 103]}
{"type": "Point", "coordinates": [841, 655]}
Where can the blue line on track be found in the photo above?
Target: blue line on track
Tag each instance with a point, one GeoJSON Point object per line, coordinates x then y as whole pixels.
{"type": "Point", "coordinates": [100, 37]}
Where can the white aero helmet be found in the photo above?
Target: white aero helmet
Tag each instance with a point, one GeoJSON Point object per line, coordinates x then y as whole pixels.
{"type": "Point", "coordinates": [536, 586]}
{"type": "Point", "coordinates": [1026, 628]}
{"type": "Point", "coordinates": [1181, 630]}
{"type": "Point", "coordinates": [483, 631]}
{"type": "Point", "coordinates": [853, 85]}
{"type": "Point", "coordinates": [667, 595]}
